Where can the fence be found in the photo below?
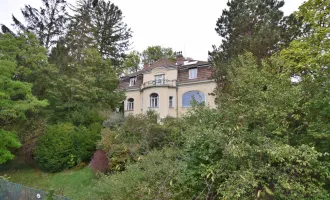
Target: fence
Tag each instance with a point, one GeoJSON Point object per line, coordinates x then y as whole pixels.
{"type": "Point", "coordinates": [13, 191]}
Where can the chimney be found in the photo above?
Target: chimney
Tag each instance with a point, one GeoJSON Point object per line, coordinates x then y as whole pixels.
{"type": "Point", "coordinates": [179, 58]}
{"type": "Point", "coordinates": [145, 66]}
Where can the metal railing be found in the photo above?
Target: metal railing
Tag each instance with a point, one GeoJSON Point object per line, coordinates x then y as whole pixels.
{"type": "Point", "coordinates": [159, 82]}
{"type": "Point", "coordinates": [14, 191]}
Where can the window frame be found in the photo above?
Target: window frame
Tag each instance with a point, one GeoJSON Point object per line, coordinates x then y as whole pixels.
{"type": "Point", "coordinates": [162, 79]}
{"type": "Point", "coordinates": [196, 91]}
{"type": "Point", "coordinates": [132, 81]}
{"type": "Point", "coordinates": [154, 100]}
{"type": "Point", "coordinates": [171, 102]}
{"type": "Point", "coordinates": [191, 74]}
{"type": "Point", "coordinates": [130, 104]}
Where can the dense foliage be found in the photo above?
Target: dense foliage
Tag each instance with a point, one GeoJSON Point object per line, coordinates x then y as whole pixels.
{"type": "Point", "coordinates": [134, 60]}
{"type": "Point", "coordinates": [48, 82]}
{"type": "Point", "coordinates": [8, 141]}
{"type": "Point", "coordinates": [47, 22]}
{"type": "Point", "coordinates": [268, 138]}
{"type": "Point", "coordinates": [150, 178]}
{"type": "Point", "coordinates": [64, 145]}
{"type": "Point", "coordinates": [154, 53]}
{"type": "Point", "coordinates": [245, 150]}
{"type": "Point", "coordinates": [122, 146]}
{"type": "Point", "coordinates": [16, 96]}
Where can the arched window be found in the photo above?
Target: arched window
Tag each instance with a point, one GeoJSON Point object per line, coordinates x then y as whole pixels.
{"type": "Point", "coordinates": [130, 104]}
{"type": "Point", "coordinates": [188, 97]}
{"type": "Point", "coordinates": [154, 100]}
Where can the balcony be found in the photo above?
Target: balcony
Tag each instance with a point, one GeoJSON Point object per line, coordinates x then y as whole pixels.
{"type": "Point", "coordinates": [159, 83]}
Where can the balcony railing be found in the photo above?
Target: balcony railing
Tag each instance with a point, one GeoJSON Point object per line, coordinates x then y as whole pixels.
{"type": "Point", "coordinates": [159, 82]}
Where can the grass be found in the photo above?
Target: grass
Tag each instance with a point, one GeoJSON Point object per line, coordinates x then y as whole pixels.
{"type": "Point", "coordinates": [74, 184]}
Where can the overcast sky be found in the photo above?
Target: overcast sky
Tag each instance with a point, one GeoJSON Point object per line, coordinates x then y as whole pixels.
{"type": "Point", "coordinates": [183, 25]}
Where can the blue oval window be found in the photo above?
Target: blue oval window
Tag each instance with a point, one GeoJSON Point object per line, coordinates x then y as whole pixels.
{"type": "Point", "coordinates": [189, 97]}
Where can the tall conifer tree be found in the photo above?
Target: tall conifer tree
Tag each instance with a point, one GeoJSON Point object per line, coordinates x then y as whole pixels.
{"type": "Point", "coordinates": [48, 23]}
{"type": "Point", "coordinates": [256, 26]}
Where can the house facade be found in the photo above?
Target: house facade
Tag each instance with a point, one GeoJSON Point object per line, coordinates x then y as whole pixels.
{"type": "Point", "coordinates": [168, 87]}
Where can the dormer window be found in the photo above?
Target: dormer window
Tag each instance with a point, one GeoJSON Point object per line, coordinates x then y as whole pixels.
{"type": "Point", "coordinates": [193, 73]}
{"type": "Point", "coordinates": [132, 81]}
{"type": "Point", "coordinates": [159, 79]}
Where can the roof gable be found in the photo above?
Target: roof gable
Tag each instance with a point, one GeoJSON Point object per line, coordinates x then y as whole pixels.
{"type": "Point", "coordinates": [160, 63]}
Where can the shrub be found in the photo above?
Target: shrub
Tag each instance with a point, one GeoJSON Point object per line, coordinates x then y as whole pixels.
{"type": "Point", "coordinates": [64, 145]}
{"type": "Point", "coordinates": [8, 141]}
{"type": "Point", "coordinates": [85, 140]}
{"type": "Point", "coordinates": [84, 116]}
{"type": "Point", "coordinates": [118, 152]}
{"type": "Point", "coordinates": [156, 136]}
{"type": "Point", "coordinates": [152, 177]}
{"type": "Point", "coordinates": [33, 130]}
{"type": "Point", "coordinates": [137, 136]}
{"type": "Point", "coordinates": [99, 162]}
{"type": "Point", "coordinates": [114, 119]}
{"type": "Point", "coordinates": [175, 128]}
{"type": "Point", "coordinates": [232, 162]}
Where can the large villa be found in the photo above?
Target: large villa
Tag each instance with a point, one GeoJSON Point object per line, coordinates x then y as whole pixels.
{"type": "Point", "coordinates": [168, 87]}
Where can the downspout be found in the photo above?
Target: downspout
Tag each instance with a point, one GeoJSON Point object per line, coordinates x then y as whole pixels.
{"type": "Point", "coordinates": [177, 99]}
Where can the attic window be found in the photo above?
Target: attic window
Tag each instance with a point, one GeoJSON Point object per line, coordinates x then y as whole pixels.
{"type": "Point", "coordinates": [132, 81]}
{"type": "Point", "coordinates": [193, 73]}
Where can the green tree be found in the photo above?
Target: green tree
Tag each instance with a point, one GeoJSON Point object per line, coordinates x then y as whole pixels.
{"type": "Point", "coordinates": [308, 58]}
{"type": "Point", "coordinates": [90, 82]}
{"type": "Point", "coordinates": [65, 145]}
{"type": "Point", "coordinates": [310, 52]}
{"type": "Point", "coordinates": [243, 150]}
{"type": "Point", "coordinates": [154, 53]}
{"type": "Point", "coordinates": [255, 26]}
{"type": "Point", "coordinates": [132, 62]}
{"type": "Point", "coordinates": [16, 99]}
{"type": "Point", "coordinates": [8, 142]}
{"type": "Point", "coordinates": [80, 30]}
{"type": "Point", "coordinates": [48, 23]}
{"type": "Point", "coordinates": [99, 27]}
{"type": "Point", "coordinates": [250, 25]}
{"type": "Point", "coordinates": [31, 59]}
{"type": "Point", "coordinates": [111, 33]}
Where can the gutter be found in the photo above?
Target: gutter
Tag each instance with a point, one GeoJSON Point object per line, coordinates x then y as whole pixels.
{"type": "Point", "coordinates": [196, 82]}
{"type": "Point", "coordinates": [177, 102]}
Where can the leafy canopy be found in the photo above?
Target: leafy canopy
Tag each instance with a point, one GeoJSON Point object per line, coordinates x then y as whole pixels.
{"type": "Point", "coordinates": [16, 97]}
{"type": "Point", "coordinates": [154, 53]}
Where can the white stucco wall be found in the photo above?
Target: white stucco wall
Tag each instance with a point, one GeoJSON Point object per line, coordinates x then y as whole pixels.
{"type": "Point", "coordinates": [206, 87]}
{"type": "Point", "coordinates": [164, 92]}
{"type": "Point", "coordinates": [135, 94]}
{"type": "Point", "coordinates": [170, 74]}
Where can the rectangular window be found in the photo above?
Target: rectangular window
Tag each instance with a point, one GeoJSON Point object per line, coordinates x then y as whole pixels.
{"type": "Point", "coordinates": [170, 102]}
{"type": "Point", "coordinates": [130, 104]}
{"type": "Point", "coordinates": [132, 81]}
{"type": "Point", "coordinates": [193, 73]}
{"type": "Point", "coordinates": [159, 79]}
{"type": "Point", "coordinates": [154, 100]}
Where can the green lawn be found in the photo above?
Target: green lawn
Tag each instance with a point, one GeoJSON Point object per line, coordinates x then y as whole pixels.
{"type": "Point", "coordinates": [74, 184]}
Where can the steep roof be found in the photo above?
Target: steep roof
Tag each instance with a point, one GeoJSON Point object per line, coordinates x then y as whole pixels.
{"type": "Point", "coordinates": [193, 63]}
{"type": "Point", "coordinates": [160, 63]}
